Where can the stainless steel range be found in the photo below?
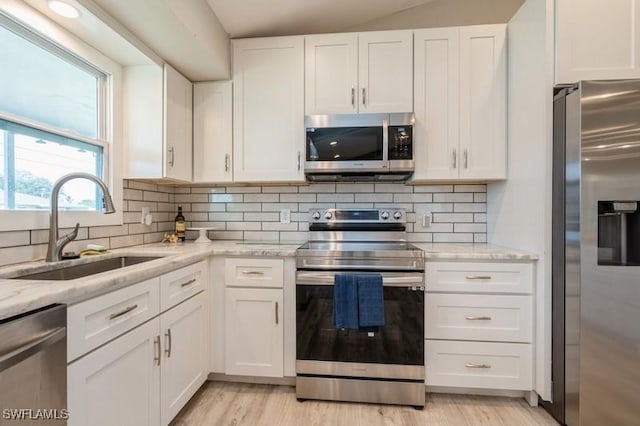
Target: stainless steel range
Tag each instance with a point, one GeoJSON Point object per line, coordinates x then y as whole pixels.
{"type": "Point", "coordinates": [384, 364]}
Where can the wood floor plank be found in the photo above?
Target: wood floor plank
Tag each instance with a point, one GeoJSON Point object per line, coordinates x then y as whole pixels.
{"type": "Point", "coordinates": [245, 404]}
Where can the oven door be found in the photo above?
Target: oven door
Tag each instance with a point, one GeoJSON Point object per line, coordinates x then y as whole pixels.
{"type": "Point", "coordinates": [400, 341]}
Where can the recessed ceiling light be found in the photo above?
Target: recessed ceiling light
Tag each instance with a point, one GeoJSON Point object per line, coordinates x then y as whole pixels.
{"type": "Point", "coordinates": [63, 9]}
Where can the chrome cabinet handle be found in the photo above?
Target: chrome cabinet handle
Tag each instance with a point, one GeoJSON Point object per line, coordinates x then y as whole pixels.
{"type": "Point", "coordinates": [156, 350]}
{"type": "Point", "coordinates": [252, 273]}
{"type": "Point", "coordinates": [364, 97]}
{"type": "Point", "coordinates": [478, 277]}
{"type": "Point", "coordinates": [123, 312]}
{"type": "Point", "coordinates": [474, 365]}
{"type": "Point", "coordinates": [172, 151]}
{"type": "Point", "coordinates": [226, 162]}
{"type": "Point", "coordinates": [276, 312]}
{"type": "Point", "coordinates": [466, 159]}
{"type": "Point", "coordinates": [299, 161]}
{"type": "Point", "coordinates": [191, 281]}
{"type": "Point", "coordinates": [455, 158]}
{"type": "Point", "coordinates": [353, 96]}
{"type": "Point", "coordinates": [167, 335]}
{"type": "Point", "coordinates": [478, 318]}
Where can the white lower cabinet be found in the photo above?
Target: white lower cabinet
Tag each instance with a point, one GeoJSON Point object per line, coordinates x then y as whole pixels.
{"type": "Point", "coordinates": [118, 384]}
{"type": "Point", "coordinates": [148, 372]}
{"type": "Point", "coordinates": [184, 356]}
{"type": "Point", "coordinates": [479, 325]}
{"type": "Point", "coordinates": [254, 332]}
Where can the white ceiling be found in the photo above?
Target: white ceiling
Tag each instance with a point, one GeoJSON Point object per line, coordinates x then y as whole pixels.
{"type": "Point", "coordinates": [257, 18]}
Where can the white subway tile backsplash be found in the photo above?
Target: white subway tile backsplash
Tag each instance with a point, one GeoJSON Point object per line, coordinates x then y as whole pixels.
{"type": "Point", "coordinates": [264, 217]}
{"type": "Point", "coordinates": [335, 198]}
{"type": "Point", "coordinates": [373, 198]}
{"type": "Point", "coordinates": [261, 198]}
{"type": "Point", "coordinates": [243, 189]}
{"type": "Point", "coordinates": [253, 213]}
{"type": "Point", "coordinates": [223, 198]}
{"type": "Point", "coordinates": [453, 198]}
{"type": "Point", "coordinates": [244, 226]}
{"type": "Point", "coordinates": [469, 207]}
{"type": "Point", "coordinates": [452, 238]}
{"type": "Point", "coordinates": [354, 187]}
{"type": "Point", "coordinates": [242, 207]}
{"type": "Point", "coordinates": [298, 198]}
{"type": "Point", "coordinates": [15, 238]}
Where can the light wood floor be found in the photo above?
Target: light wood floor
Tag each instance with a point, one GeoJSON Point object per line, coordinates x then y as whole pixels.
{"type": "Point", "coordinates": [222, 403]}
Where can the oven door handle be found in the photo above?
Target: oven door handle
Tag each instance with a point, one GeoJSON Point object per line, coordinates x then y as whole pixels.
{"type": "Point", "coordinates": [409, 279]}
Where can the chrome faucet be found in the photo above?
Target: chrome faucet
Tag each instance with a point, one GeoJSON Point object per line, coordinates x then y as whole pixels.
{"type": "Point", "coordinates": [54, 250]}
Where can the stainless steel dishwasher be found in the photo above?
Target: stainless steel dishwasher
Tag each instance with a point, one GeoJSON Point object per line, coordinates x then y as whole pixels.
{"type": "Point", "coordinates": [33, 368]}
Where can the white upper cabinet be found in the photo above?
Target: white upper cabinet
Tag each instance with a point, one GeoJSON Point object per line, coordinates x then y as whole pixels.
{"type": "Point", "coordinates": [367, 72]}
{"type": "Point", "coordinates": [460, 103]}
{"type": "Point", "coordinates": [158, 123]}
{"type": "Point", "coordinates": [437, 103]}
{"type": "Point", "coordinates": [385, 71]}
{"type": "Point", "coordinates": [178, 125]}
{"type": "Point", "coordinates": [331, 73]}
{"type": "Point", "coordinates": [212, 132]}
{"type": "Point", "coordinates": [597, 39]}
{"type": "Point", "coordinates": [483, 102]}
{"type": "Point", "coordinates": [268, 109]}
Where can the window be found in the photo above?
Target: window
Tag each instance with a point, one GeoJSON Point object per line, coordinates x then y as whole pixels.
{"type": "Point", "coordinates": [52, 122]}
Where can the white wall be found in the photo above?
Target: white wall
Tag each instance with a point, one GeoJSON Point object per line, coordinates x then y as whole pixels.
{"type": "Point", "coordinates": [519, 209]}
{"type": "Point", "coordinates": [445, 13]}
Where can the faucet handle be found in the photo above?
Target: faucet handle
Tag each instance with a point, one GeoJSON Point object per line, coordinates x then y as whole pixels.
{"type": "Point", "coordinates": [71, 235]}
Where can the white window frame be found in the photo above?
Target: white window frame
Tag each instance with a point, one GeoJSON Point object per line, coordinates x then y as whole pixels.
{"type": "Point", "coordinates": [110, 133]}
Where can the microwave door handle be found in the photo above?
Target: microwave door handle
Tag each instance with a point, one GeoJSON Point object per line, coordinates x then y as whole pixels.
{"type": "Point", "coordinates": [385, 143]}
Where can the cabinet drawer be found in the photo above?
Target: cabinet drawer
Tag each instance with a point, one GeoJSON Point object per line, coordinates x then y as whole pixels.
{"type": "Point", "coordinates": [479, 317]}
{"type": "Point", "coordinates": [479, 277]}
{"type": "Point", "coordinates": [252, 272]}
{"type": "Point", "coordinates": [479, 365]}
{"type": "Point", "coordinates": [179, 285]}
{"type": "Point", "coordinates": [98, 320]}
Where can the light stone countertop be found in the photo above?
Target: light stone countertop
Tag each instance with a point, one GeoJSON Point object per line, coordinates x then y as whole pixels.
{"type": "Point", "coordinates": [22, 295]}
{"type": "Point", "coordinates": [471, 251]}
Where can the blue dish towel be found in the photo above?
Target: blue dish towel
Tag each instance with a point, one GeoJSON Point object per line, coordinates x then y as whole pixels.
{"type": "Point", "coordinates": [370, 301]}
{"type": "Point", "coordinates": [345, 301]}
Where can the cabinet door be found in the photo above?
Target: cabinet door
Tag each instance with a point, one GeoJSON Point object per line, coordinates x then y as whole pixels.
{"type": "Point", "coordinates": [436, 103]}
{"type": "Point", "coordinates": [212, 132]}
{"type": "Point", "coordinates": [254, 332]}
{"type": "Point", "coordinates": [184, 355]}
{"type": "Point", "coordinates": [268, 109]}
{"type": "Point", "coordinates": [597, 39]}
{"type": "Point", "coordinates": [178, 125]}
{"type": "Point", "coordinates": [119, 383]}
{"type": "Point", "coordinates": [331, 74]}
{"type": "Point", "coordinates": [385, 63]}
{"type": "Point", "coordinates": [483, 102]}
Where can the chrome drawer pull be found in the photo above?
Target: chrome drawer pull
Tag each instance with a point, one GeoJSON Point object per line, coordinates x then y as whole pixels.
{"type": "Point", "coordinates": [474, 365]}
{"type": "Point", "coordinates": [478, 277]}
{"type": "Point", "coordinates": [123, 312]}
{"type": "Point", "coordinates": [252, 273]}
{"type": "Point", "coordinates": [478, 318]}
{"type": "Point", "coordinates": [156, 350]}
{"type": "Point", "coordinates": [167, 350]}
{"type": "Point", "coordinates": [191, 281]}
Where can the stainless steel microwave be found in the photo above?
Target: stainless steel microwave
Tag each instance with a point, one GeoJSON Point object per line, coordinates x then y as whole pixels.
{"type": "Point", "coordinates": [359, 147]}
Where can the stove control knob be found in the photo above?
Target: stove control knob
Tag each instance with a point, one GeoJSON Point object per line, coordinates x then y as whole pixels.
{"type": "Point", "coordinates": [328, 215]}
{"type": "Point", "coordinates": [397, 215]}
{"type": "Point", "coordinates": [316, 215]}
{"type": "Point", "coordinates": [384, 215]}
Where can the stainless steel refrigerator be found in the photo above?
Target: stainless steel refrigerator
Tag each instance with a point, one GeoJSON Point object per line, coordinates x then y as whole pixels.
{"type": "Point", "coordinates": [596, 254]}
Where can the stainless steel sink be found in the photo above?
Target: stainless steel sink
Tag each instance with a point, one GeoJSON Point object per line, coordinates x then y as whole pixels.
{"type": "Point", "coordinates": [86, 269]}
